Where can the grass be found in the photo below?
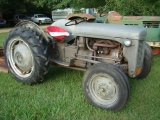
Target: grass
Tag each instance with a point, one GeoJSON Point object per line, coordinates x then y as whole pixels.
{"type": "Point", "coordinates": [60, 97]}
{"type": "Point", "coordinates": [2, 38]}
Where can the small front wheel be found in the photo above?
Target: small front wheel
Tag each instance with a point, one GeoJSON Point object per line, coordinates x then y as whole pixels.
{"type": "Point", "coordinates": [106, 86]}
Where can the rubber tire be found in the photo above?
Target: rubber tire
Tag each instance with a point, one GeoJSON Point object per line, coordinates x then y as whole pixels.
{"type": "Point", "coordinates": [39, 49]}
{"type": "Point", "coordinates": [148, 50]}
{"type": "Point", "coordinates": [146, 68]}
{"type": "Point", "coordinates": [120, 79]}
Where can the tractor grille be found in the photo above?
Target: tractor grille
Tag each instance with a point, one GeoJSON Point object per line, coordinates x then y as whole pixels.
{"type": "Point", "coordinates": [151, 24]}
{"type": "Point", "coordinates": [140, 53]}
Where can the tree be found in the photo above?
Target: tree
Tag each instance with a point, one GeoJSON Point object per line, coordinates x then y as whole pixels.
{"type": "Point", "coordinates": [134, 7]}
{"type": "Point", "coordinates": [87, 3]}
{"type": "Point", "coordinates": [10, 7]}
{"type": "Point", "coordinates": [124, 7]}
{"type": "Point", "coordinates": [2, 7]}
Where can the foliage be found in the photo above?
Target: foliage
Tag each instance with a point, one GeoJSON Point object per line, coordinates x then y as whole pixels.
{"type": "Point", "coordinates": [134, 7]}
{"type": "Point", "coordinates": [2, 38]}
{"type": "Point", "coordinates": [10, 7]}
{"type": "Point", "coordinates": [125, 7]}
{"type": "Point", "coordinates": [57, 4]}
{"type": "Point", "coordinates": [87, 3]}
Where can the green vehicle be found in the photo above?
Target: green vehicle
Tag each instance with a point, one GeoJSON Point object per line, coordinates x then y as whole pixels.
{"type": "Point", "coordinates": [151, 23]}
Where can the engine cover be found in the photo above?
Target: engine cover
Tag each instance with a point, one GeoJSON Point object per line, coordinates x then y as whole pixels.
{"type": "Point", "coordinates": [109, 31]}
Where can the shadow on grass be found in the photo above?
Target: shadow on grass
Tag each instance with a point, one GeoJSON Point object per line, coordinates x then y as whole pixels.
{"type": "Point", "coordinates": [59, 72]}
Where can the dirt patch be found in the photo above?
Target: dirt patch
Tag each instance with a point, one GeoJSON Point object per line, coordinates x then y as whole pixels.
{"type": "Point", "coordinates": [5, 30]}
{"type": "Point", "coordinates": [2, 30]}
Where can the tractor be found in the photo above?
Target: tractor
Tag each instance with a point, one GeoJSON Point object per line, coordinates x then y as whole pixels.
{"type": "Point", "coordinates": [107, 53]}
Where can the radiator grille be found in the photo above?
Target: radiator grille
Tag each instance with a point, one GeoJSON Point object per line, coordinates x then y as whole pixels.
{"type": "Point", "coordinates": [151, 24]}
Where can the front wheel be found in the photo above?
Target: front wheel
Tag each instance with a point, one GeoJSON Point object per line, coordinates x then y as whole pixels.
{"type": "Point", "coordinates": [106, 86]}
{"type": "Point", "coordinates": [26, 54]}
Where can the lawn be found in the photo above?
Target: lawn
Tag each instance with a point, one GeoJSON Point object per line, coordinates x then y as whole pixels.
{"type": "Point", "coordinates": [2, 38]}
{"type": "Point", "coordinates": [60, 97]}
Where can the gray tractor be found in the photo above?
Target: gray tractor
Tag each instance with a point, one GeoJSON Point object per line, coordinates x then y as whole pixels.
{"type": "Point", "coordinates": [108, 53]}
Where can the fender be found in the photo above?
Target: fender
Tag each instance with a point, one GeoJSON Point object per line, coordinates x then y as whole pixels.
{"type": "Point", "coordinates": [32, 25]}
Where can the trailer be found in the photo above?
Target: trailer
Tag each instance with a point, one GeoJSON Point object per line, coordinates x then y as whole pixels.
{"type": "Point", "coordinates": [151, 23]}
{"type": "Point", "coordinates": [71, 13]}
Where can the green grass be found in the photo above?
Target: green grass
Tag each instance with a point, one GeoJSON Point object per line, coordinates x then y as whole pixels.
{"type": "Point", "coordinates": [60, 97]}
{"type": "Point", "coordinates": [2, 38]}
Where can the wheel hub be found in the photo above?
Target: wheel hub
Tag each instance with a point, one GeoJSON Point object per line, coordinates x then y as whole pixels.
{"type": "Point", "coordinates": [19, 58]}
{"type": "Point", "coordinates": [103, 88]}
{"type": "Point", "coordinates": [22, 57]}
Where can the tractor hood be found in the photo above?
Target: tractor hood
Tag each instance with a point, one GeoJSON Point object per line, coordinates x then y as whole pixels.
{"type": "Point", "coordinates": [109, 31]}
{"type": "Point", "coordinates": [102, 30]}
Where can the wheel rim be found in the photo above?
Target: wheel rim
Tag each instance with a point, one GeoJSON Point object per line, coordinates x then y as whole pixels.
{"type": "Point", "coordinates": [103, 89]}
{"type": "Point", "coordinates": [20, 57]}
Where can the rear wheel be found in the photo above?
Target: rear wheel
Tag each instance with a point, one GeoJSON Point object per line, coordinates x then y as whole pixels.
{"type": "Point", "coordinates": [148, 50]}
{"type": "Point", "coordinates": [26, 54]}
{"type": "Point", "coordinates": [106, 86]}
{"type": "Point", "coordinates": [146, 68]}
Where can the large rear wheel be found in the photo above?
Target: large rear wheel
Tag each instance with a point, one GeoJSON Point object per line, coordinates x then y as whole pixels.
{"type": "Point", "coordinates": [106, 86]}
{"type": "Point", "coordinates": [148, 50]}
{"type": "Point", "coordinates": [26, 54]}
{"type": "Point", "coordinates": [146, 68]}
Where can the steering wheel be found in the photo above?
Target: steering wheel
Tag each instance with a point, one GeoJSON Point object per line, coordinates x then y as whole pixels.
{"type": "Point", "coordinates": [76, 21]}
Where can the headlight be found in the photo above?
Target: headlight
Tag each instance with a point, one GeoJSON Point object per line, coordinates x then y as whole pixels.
{"type": "Point", "coordinates": [127, 43]}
